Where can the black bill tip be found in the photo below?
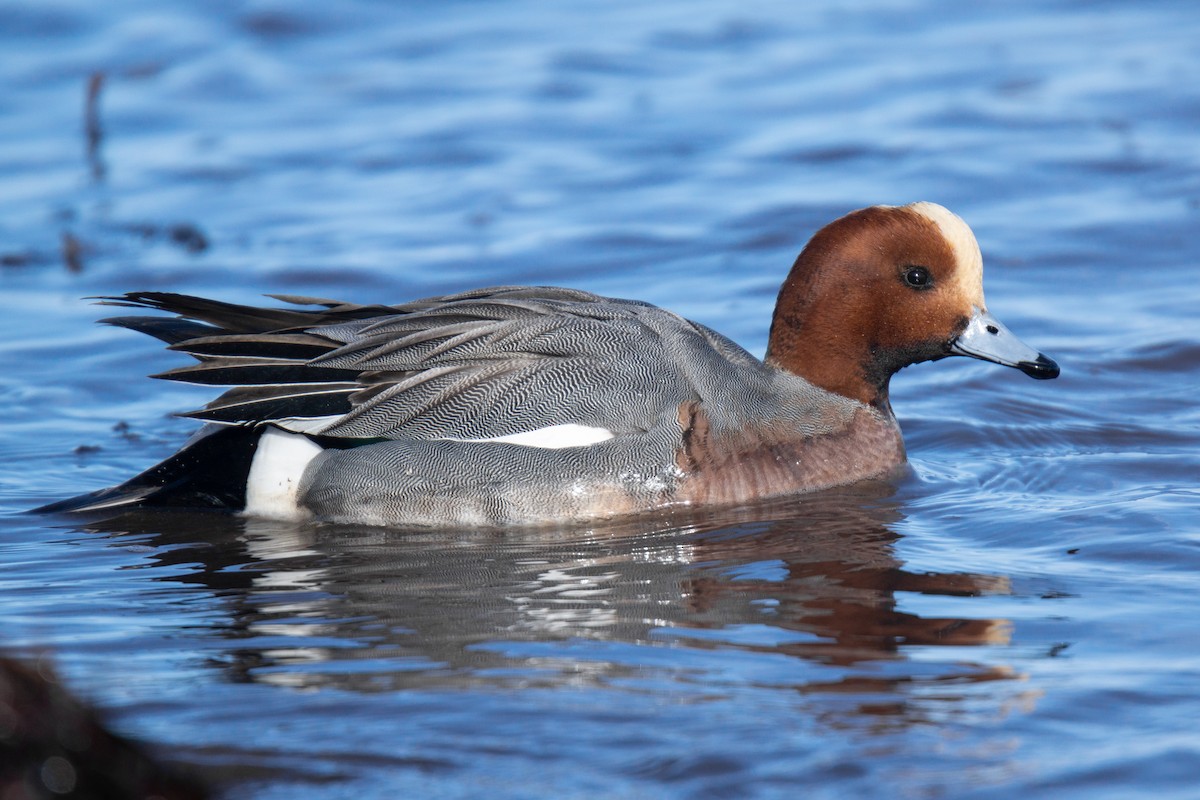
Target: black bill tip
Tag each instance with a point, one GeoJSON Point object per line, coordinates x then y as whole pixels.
{"type": "Point", "coordinates": [1043, 369]}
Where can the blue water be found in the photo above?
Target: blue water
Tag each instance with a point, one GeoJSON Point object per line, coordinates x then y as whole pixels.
{"type": "Point", "coordinates": [1016, 617]}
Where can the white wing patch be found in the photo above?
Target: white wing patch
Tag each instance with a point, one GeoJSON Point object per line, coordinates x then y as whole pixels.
{"type": "Point", "coordinates": [273, 485]}
{"type": "Point", "coordinates": [555, 437]}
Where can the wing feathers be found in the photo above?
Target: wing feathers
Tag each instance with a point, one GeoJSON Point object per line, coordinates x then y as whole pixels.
{"type": "Point", "coordinates": [478, 365]}
{"type": "Point", "coordinates": [255, 371]}
{"type": "Point", "coordinates": [293, 346]}
{"type": "Point", "coordinates": [264, 403]}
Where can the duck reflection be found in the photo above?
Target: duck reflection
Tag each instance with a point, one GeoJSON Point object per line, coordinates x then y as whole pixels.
{"type": "Point", "coordinates": [815, 579]}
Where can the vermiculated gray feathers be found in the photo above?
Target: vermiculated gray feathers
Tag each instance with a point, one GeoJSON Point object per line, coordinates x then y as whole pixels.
{"type": "Point", "coordinates": [407, 396]}
{"type": "Point", "coordinates": [480, 364]}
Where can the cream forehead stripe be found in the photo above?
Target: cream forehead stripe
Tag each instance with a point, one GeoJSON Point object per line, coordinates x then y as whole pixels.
{"type": "Point", "coordinates": [966, 248]}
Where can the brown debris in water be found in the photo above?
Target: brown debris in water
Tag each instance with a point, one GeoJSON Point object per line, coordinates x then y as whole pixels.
{"type": "Point", "coordinates": [73, 250]}
{"type": "Point", "coordinates": [54, 746]}
{"type": "Point", "coordinates": [93, 130]}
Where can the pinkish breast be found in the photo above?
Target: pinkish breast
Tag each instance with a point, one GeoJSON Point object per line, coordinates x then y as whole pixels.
{"type": "Point", "coordinates": [749, 465]}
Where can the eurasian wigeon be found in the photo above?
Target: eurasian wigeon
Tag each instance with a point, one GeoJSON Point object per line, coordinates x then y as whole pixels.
{"type": "Point", "coordinates": [530, 405]}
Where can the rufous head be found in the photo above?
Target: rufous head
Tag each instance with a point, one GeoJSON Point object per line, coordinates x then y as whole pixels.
{"type": "Point", "coordinates": [884, 287]}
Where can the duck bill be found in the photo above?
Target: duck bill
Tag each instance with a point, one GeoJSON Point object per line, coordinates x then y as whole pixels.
{"type": "Point", "coordinates": [986, 338]}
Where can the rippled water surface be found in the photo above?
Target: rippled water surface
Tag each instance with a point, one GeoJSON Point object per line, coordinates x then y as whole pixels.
{"type": "Point", "coordinates": [1015, 617]}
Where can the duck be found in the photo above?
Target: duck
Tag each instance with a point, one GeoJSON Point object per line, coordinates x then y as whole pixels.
{"type": "Point", "coordinates": [532, 405]}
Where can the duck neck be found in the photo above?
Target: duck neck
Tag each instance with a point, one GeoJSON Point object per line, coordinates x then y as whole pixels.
{"type": "Point", "coordinates": [825, 345]}
{"type": "Point", "coordinates": [840, 375]}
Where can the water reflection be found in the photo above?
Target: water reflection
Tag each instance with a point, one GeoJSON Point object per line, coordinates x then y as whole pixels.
{"type": "Point", "coordinates": [814, 580]}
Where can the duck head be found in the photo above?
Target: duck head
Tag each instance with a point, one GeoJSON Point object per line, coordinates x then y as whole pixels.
{"type": "Point", "coordinates": [885, 287]}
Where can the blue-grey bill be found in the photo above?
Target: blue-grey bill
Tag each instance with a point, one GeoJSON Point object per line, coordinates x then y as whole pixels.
{"type": "Point", "coordinates": [986, 338]}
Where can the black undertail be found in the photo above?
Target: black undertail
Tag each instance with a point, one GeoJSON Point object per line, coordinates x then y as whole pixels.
{"type": "Point", "coordinates": [209, 472]}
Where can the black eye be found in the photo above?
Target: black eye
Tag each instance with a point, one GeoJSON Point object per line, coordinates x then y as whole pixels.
{"type": "Point", "coordinates": [917, 277]}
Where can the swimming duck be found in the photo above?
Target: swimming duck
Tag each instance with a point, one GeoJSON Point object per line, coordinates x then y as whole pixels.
{"type": "Point", "coordinates": [533, 405]}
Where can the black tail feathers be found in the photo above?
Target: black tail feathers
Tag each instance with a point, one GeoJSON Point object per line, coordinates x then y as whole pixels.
{"type": "Point", "coordinates": [209, 472]}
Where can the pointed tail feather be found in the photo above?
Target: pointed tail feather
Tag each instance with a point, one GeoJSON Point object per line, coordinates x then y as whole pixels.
{"type": "Point", "coordinates": [233, 318]}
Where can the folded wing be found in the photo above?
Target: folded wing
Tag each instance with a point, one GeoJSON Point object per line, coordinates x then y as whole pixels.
{"type": "Point", "coordinates": [480, 365]}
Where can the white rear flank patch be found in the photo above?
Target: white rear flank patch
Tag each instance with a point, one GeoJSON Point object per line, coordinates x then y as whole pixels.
{"type": "Point", "coordinates": [273, 485]}
{"type": "Point", "coordinates": [555, 437]}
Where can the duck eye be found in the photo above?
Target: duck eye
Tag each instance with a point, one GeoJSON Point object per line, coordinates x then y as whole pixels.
{"type": "Point", "coordinates": [917, 277]}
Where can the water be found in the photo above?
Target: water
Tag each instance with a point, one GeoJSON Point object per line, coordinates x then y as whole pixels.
{"type": "Point", "coordinates": [1015, 617]}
